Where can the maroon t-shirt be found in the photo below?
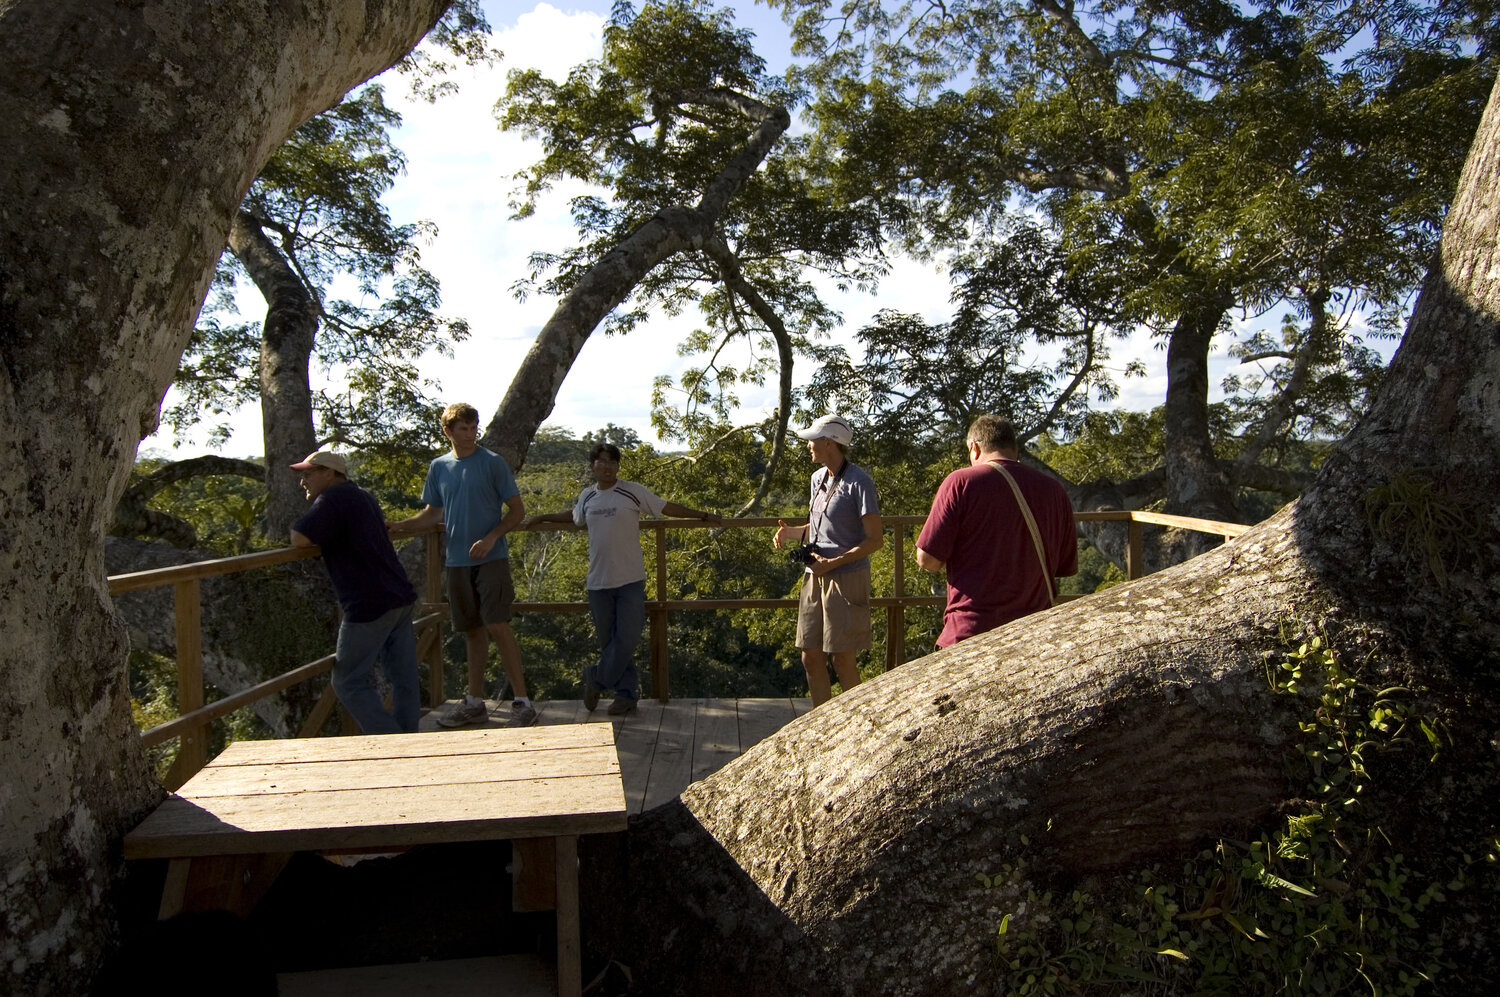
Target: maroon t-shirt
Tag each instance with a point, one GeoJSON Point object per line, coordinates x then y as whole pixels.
{"type": "Point", "coordinates": [978, 531]}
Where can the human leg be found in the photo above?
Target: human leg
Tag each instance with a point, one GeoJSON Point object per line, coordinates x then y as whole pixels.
{"type": "Point", "coordinates": [510, 656]}
{"type": "Point", "coordinates": [358, 647]}
{"type": "Point", "coordinates": [619, 616]}
{"type": "Point", "coordinates": [810, 639]}
{"type": "Point", "coordinates": [477, 653]}
{"type": "Point", "coordinates": [496, 593]}
{"type": "Point", "coordinates": [463, 606]}
{"type": "Point", "coordinates": [602, 612]}
{"type": "Point", "coordinates": [815, 663]}
{"type": "Point", "coordinates": [847, 668]}
{"type": "Point", "coordinates": [399, 659]}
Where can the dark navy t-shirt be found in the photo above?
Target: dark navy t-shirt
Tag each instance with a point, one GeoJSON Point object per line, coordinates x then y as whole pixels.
{"type": "Point", "coordinates": [345, 521]}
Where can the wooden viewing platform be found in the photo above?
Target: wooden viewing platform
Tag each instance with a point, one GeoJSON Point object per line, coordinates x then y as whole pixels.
{"type": "Point", "coordinates": [664, 747]}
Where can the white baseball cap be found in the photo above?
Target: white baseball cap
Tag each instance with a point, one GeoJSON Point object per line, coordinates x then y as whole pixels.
{"type": "Point", "coordinates": [323, 458]}
{"type": "Point", "coordinates": [829, 427]}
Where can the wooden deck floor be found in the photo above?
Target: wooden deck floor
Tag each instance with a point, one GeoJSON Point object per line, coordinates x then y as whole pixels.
{"type": "Point", "coordinates": [665, 748]}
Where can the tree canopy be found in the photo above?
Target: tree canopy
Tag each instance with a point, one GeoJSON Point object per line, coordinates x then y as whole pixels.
{"type": "Point", "coordinates": [1209, 158]}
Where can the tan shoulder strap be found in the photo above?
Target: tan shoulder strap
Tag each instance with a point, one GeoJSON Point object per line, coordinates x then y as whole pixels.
{"type": "Point", "coordinates": [1036, 534]}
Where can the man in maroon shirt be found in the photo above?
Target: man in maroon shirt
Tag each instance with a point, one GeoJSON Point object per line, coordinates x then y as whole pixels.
{"type": "Point", "coordinates": [978, 534]}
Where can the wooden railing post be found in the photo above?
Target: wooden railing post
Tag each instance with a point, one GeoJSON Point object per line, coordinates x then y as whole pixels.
{"type": "Point", "coordinates": [660, 683]}
{"type": "Point", "coordinates": [895, 615]}
{"type": "Point", "coordinates": [434, 594]}
{"type": "Point", "coordinates": [187, 604]}
{"type": "Point", "coordinates": [1135, 552]}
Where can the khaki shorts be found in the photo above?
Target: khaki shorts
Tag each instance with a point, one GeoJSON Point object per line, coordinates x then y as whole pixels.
{"type": "Point", "coordinates": [833, 611]}
{"type": "Point", "coordinates": [480, 594]}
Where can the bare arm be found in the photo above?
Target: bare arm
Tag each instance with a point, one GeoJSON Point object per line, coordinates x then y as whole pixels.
{"type": "Point", "coordinates": [515, 512]}
{"type": "Point", "coordinates": [873, 541]}
{"type": "Point", "coordinates": [927, 562]}
{"type": "Point", "coordinates": [786, 534]}
{"type": "Point", "coordinates": [683, 512]}
{"type": "Point", "coordinates": [429, 516]}
{"type": "Point", "coordinates": [547, 517]}
{"type": "Point", "coordinates": [301, 540]}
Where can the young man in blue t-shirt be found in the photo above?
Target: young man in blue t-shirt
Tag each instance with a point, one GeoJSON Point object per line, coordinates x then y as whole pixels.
{"type": "Point", "coordinates": [376, 597]}
{"type": "Point", "coordinates": [472, 492]}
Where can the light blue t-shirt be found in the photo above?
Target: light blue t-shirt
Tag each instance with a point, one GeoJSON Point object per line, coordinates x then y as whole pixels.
{"type": "Point", "coordinates": [472, 492]}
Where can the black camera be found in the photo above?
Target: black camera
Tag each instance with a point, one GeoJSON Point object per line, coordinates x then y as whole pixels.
{"type": "Point", "coordinates": [801, 554]}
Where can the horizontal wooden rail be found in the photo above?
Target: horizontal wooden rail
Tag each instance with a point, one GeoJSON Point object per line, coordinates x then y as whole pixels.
{"type": "Point", "coordinates": [223, 707]}
{"type": "Point", "coordinates": [184, 578]}
{"type": "Point", "coordinates": [151, 578]}
{"type": "Point", "coordinates": [1227, 530]}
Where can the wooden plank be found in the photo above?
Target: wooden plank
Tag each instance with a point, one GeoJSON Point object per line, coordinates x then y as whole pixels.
{"type": "Point", "coordinates": [635, 742]}
{"type": "Point", "coordinates": [192, 750]}
{"type": "Point", "coordinates": [221, 882]}
{"type": "Point", "coordinates": [386, 773]}
{"type": "Point", "coordinates": [672, 762]}
{"type": "Point", "coordinates": [221, 707]}
{"type": "Point", "coordinates": [801, 706]}
{"type": "Point", "coordinates": [533, 874]}
{"type": "Point", "coordinates": [321, 711]}
{"type": "Point", "coordinates": [1135, 558]}
{"type": "Point", "coordinates": [134, 581]}
{"type": "Point", "coordinates": [436, 744]}
{"type": "Point", "coordinates": [760, 718]}
{"type": "Point", "coordinates": [553, 712]}
{"type": "Point", "coordinates": [380, 817]}
{"type": "Point", "coordinates": [716, 737]}
{"type": "Point", "coordinates": [1227, 530]}
{"type": "Point", "coordinates": [174, 889]}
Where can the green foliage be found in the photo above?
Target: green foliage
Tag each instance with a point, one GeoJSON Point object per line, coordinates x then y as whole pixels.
{"type": "Point", "coordinates": [224, 510]}
{"type": "Point", "coordinates": [1322, 903]}
{"type": "Point", "coordinates": [658, 122]}
{"type": "Point", "coordinates": [1187, 160]}
{"type": "Point", "coordinates": [319, 200]}
{"type": "Point", "coordinates": [1420, 519]}
{"type": "Point", "coordinates": [1028, 341]}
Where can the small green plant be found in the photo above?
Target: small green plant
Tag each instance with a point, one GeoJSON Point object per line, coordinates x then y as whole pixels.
{"type": "Point", "coordinates": [1323, 903]}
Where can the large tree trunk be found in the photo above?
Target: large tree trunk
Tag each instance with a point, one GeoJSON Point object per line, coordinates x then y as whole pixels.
{"type": "Point", "coordinates": [128, 136]}
{"type": "Point", "coordinates": [844, 854]}
{"type": "Point", "coordinates": [1196, 484]}
{"type": "Point", "coordinates": [286, 345]}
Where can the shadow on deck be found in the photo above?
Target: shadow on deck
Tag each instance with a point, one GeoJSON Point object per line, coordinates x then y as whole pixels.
{"type": "Point", "coordinates": [665, 747]}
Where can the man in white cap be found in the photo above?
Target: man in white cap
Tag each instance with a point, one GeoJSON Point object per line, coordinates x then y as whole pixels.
{"type": "Point", "coordinates": [842, 531]}
{"type": "Point", "coordinates": [377, 598]}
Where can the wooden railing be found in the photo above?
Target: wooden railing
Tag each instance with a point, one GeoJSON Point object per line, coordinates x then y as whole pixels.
{"type": "Point", "coordinates": [192, 724]}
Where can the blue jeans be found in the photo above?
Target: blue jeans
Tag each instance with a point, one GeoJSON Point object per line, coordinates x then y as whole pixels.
{"type": "Point", "coordinates": [391, 640]}
{"type": "Point", "coordinates": [619, 614]}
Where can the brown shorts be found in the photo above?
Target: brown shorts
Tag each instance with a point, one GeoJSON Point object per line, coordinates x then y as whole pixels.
{"type": "Point", "coordinates": [480, 594]}
{"type": "Point", "coordinates": [833, 611]}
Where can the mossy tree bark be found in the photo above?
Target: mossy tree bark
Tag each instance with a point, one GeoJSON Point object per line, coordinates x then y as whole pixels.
{"type": "Point", "coordinates": [843, 855]}
{"type": "Point", "coordinates": [128, 136]}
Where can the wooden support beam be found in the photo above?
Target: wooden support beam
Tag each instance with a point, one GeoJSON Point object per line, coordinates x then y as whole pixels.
{"type": "Point", "coordinates": [192, 751]}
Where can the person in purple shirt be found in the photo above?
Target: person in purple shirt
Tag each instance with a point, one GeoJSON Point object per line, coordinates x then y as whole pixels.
{"type": "Point", "coordinates": [373, 591]}
{"type": "Point", "coordinates": [978, 535]}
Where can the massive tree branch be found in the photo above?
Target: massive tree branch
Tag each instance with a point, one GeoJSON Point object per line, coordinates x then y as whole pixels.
{"type": "Point", "coordinates": [533, 390]}
{"type": "Point", "coordinates": [134, 519]}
